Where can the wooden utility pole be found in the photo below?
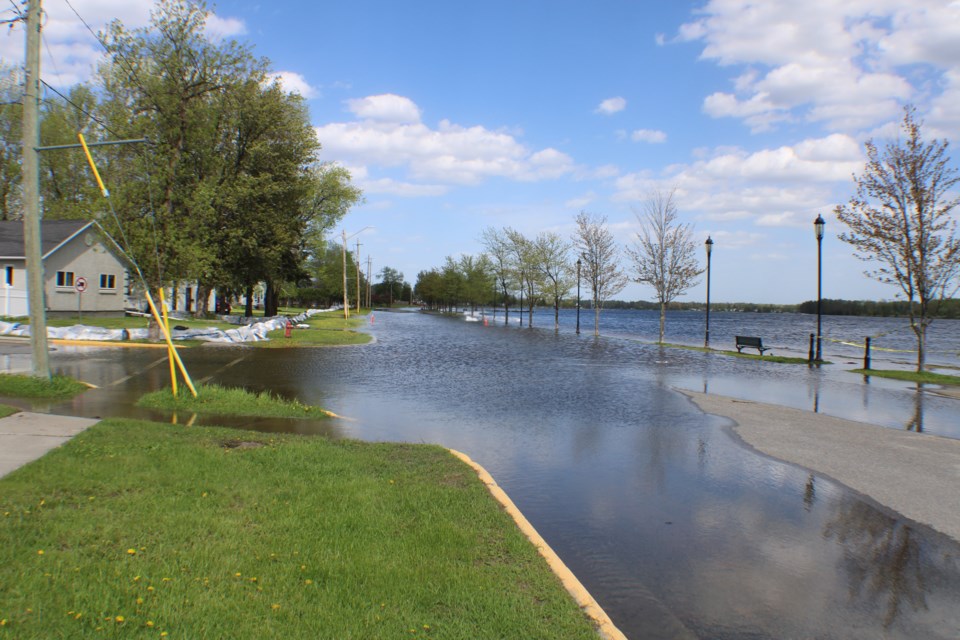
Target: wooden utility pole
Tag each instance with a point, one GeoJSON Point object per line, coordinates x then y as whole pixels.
{"type": "Point", "coordinates": [31, 195]}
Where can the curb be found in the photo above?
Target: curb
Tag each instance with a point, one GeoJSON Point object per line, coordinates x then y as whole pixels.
{"type": "Point", "coordinates": [587, 604]}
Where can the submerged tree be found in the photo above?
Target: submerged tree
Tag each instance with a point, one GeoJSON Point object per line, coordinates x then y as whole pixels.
{"type": "Point", "coordinates": [664, 254]}
{"type": "Point", "coordinates": [600, 259]}
{"type": "Point", "coordinates": [901, 219]}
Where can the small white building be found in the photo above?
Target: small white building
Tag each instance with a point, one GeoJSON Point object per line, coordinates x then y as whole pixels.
{"type": "Point", "coordinates": [75, 252]}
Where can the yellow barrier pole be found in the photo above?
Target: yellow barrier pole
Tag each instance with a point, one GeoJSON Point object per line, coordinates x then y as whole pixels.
{"type": "Point", "coordinates": [166, 335]}
{"type": "Point", "coordinates": [173, 365]}
{"type": "Point", "coordinates": [96, 174]}
{"type": "Point", "coordinates": [153, 307]}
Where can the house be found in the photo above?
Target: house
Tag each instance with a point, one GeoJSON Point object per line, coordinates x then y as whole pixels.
{"type": "Point", "coordinates": [73, 252]}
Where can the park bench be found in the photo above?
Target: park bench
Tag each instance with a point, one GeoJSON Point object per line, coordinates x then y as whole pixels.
{"type": "Point", "coordinates": [748, 341]}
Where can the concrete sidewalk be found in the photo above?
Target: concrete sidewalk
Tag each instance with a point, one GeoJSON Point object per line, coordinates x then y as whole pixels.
{"type": "Point", "coordinates": [26, 436]}
{"type": "Point", "coordinates": [912, 473]}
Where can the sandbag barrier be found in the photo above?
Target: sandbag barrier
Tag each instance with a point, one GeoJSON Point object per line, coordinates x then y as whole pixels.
{"type": "Point", "coordinates": [247, 333]}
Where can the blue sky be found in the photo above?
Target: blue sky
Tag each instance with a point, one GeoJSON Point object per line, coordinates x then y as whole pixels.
{"type": "Point", "coordinates": [454, 117]}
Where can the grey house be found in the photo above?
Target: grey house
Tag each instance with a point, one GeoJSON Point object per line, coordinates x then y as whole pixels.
{"type": "Point", "coordinates": [74, 252]}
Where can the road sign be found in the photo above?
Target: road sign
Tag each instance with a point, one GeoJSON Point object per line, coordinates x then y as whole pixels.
{"type": "Point", "coordinates": [81, 285]}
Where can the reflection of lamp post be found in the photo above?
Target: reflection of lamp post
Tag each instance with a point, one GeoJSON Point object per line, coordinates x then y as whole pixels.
{"type": "Point", "coordinates": [346, 305]}
{"type": "Point", "coordinates": [578, 296]}
{"type": "Point", "coordinates": [818, 225]}
{"type": "Point", "coordinates": [709, 246]}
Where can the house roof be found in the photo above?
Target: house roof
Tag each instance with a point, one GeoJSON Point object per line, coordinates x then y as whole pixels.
{"type": "Point", "coordinates": [53, 233]}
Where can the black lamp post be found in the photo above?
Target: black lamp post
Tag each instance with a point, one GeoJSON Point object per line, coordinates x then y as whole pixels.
{"type": "Point", "coordinates": [818, 225]}
{"type": "Point", "coordinates": [578, 296]}
{"type": "Point", "coordinates": [709, 245]}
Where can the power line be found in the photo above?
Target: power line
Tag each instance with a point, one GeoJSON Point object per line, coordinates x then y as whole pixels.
{"type": "Point", "coordinates": [80, 109]}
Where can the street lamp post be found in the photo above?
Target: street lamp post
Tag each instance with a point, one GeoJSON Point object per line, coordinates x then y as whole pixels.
{"type": "Point", "coordinates": [578, 296]}
{"type": "Point", "coordinates": [818, 225]}
{"type": "Point", "coordinates": [709, 245]}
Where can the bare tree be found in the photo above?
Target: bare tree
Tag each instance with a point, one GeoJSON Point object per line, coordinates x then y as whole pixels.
{"type": "Point", "coordinates": [664, 254]}
{"type": "Point", "coordinates": [600, 258]}
{"type": "Point", "coordinates": [527, 271]}
{"type": "Point", "coordinates": [900, 218]}
{"type": "Point", "coordinates": [554, 265]}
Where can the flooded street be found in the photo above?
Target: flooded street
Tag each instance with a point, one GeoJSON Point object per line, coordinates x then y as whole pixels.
{"type": "Point", "coordinates": [677, 528]}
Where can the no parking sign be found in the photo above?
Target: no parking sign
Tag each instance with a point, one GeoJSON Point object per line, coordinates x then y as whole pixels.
{"type": "Point", "coordinates": [81, 285]}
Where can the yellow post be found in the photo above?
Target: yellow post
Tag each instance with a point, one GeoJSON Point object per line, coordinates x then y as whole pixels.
{"type": "Point", "coordinates": [170, 358]}
{"type": "Point", "coordinates": [166, 334]}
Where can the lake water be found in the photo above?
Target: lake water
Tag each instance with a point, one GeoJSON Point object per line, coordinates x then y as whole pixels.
{"type": "Point", "coordinates": [675, 527]}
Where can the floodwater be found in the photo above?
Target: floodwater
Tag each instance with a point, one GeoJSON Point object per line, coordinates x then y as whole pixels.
{"type": "Point", "coordinates": [675, 527]}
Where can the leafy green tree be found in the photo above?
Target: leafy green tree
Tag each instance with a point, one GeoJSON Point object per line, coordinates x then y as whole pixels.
{"type": "Point", "coordinates": [901, 219]}
{"type": "Point", "coordinates": [499, 252]}
{"type": "Point", "coordinates": [11, 117]}
{"type": "Point", "coordinates": [391, 284]}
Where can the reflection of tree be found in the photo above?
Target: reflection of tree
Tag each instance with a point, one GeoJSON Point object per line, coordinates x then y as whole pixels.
{"type": "Point", "coordinates": [916, 422]}
{"type": "Point", "coordinates": [884, 557]}
{"type": "Point", "coordinates": [809, 493]}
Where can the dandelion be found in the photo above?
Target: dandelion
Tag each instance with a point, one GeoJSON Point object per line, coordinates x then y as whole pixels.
{"type": "Point", "coordinates": [308, 581]}
{"type": "Point", "coordinates": [78, 616]}
{"type": "Point", "coordinates": [3, 622]}
{"type": "Point", "coordinates": [119, 619]}
{"type": "Point", "coordinates": [237, 574]}
{"type": "Point", "coordinates": [132, 552]}
{"type": "Point", "coordinates": [139, 600]}
{"type": "Point", "coordinates": [166, 579]}
{"type": "Point", "coordinates": [149, 623]}
{"type": "Point", "coordinates": [275, 606]}
{"type": "Point", "coordinates": [39, 552]}
{"type": "Point", "coordinates": [136, 578]}
{"type": "Point", "coordinates": [254, 579]}
{"type": "Point", "coordinates": [150, 588]}
{"type": "Point", "coordinates": [164, 634]}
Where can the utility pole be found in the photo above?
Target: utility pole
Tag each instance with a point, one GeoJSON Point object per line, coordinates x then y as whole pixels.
{"type": "Point", "coordinates": [369, 266]}
{"type": "Point", "coordinates": [31, 195]}
{"type": "Point", "coordinates": [359, 294]}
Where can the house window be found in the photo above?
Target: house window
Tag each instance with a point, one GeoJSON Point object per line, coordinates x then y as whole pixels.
{"type": "Point", "coordinates": [8, 279]}
{"type": "Point", "coordinates": [64, 278]}
{"type": "Point", "coordinates": [108, 281]}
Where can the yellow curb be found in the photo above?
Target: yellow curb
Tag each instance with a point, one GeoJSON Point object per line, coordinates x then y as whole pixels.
{"type": "Point", "coordinates": [108, 343]}
{"type": "Point", "coordinates": [573, 586]}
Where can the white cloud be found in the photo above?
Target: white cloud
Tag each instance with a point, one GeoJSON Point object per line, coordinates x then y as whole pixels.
{"type": "Point", "coordinates": [652, 136]}
{"type": "Point", "coordinates": [293, 82]}
{"type": "Point", "coordinates": [386, 107]}
{"type": "Point", "coordinates": [218, 28]}
{"type": "Point", "coordinates": [784, 186]}
{"type": "Point", "coordinates": [837, 64]}
{"type": "Point", "coordinates": [390, 134]}
{"type": "Point", "coordinates": [611, 106]}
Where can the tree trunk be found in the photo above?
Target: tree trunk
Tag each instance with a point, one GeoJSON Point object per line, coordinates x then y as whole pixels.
{"type": "Point", "coordinates": [271, 301]}
{"type": "Point", "coordinates": [188, 304]}
{"type": "Point", "coordinates": [596, 319]}
{"type": "Point", "coordinates": [556, 314]}
{"type": "Point", "coordinates": [248, 309]}
{"type": "Point", "coordinates": [203, 299]}
{"type": "Point", "coordinates": [663, 319]}
{"type": "Point", "coordinates": [174, 288]}
{"type": "Point", "coordinates": [921, 332]}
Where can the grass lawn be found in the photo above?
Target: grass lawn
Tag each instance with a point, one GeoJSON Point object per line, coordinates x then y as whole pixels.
{"type": "Point", "coordinates": [749, 356]}
{"type": "Point", "coordinates": [7, 410]}
{"type": "Point", "coordinates": [910, 376]}
{"type": "Point", "coordinates": [214, 399]}
{"type": "Point", "coordinates": [326, 329]}
{"type": "Point", "coordinates": [23, 386]}
{"type": "Point", "coordinates": [140, 529]}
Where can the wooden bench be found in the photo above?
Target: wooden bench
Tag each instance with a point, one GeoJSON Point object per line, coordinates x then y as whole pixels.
{"type": "Point", "coordinates": [748, 341]}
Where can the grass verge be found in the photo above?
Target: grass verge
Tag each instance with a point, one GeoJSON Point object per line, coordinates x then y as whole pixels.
{"type": "Point", "coordinates": [142, 529]}
{"type": "Point", "coordinates": [7, 410]}
{"type": "Point", "coordinates": [326, 330]}
{"type": "Point", "coordinates": [214, 399]}
{"type": "Point", "coordinates": [748, 356]}
{"type": "Point", "coordinates": [22, 386]}
{"type": "Point", "coordinates": [910, 376]}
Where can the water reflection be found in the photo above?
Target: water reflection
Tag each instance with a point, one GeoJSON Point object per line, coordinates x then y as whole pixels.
{"type": "Point", "coordinates": [885, 561]}
{"type": "Point", "coordinates": [916, 422]}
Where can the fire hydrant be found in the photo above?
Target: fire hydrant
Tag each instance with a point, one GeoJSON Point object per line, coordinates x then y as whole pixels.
{"type": "Point", "coordinates": [286, 330]}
